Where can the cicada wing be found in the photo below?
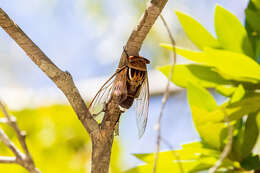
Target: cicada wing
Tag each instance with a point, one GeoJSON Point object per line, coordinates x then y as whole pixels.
{"type": "Point", "coordinates": [114, 85]}
{"type": "Point", "coordinates": [103, 95]}
{"type": "Point", "coordinates": [120, 88]}
{"type": "Point", "coordinates": [141, 106]}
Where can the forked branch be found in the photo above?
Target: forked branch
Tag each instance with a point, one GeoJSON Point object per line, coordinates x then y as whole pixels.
{"type": "Point", "coordinates": [101, 135]}
{"type": "Point", "coordinates": [62, 79]}
{"type": "Point", "coordinates": [25, 160]}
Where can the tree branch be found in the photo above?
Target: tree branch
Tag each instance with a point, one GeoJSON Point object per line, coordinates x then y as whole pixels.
{"type": "Point", "coordinates": [135, 41]}
{"type": "Point", "coordinates": [165, 96]}
{"type": "Point", "coordinates": [62, 79]}
{"type": "Point", "coordinates": [24, 160]}
{"type": "Point", "coordinates": [4, 159]}
{"type": "Point", "coordinates": [102, 136]}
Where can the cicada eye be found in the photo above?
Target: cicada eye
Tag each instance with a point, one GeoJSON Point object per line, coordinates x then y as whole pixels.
{"type": "Point", "coordinates": [146, 61]}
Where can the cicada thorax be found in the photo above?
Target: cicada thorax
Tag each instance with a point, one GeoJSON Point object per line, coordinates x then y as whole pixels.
{"type": "Point", "coordinates": [135, 72]}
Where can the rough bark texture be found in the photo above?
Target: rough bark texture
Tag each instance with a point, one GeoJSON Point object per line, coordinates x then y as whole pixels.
{"type": "Point", "coordinates": [101, 135]}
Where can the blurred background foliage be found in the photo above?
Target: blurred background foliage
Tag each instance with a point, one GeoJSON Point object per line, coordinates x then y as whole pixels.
{"type": "Point", "coordinates": [57, 141]}
{"type": "Point", "coordinates": [93, 33]}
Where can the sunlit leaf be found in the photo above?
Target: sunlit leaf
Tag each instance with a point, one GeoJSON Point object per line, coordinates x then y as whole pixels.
{"type": "Point", "coordinates": [201, 103]}
{"type": "Point", "coordinates": [190, 151]}
{"type": "Point", "coordinates": [196, 56]}
{"type": "Point", "coordinates": [231, 33]}
{"type": "Point", "coordinates": [238, 94]}
{"type": "Point", "coordinates": [192, 157]}
{"type": "Point", "coordinates": [237, 110]}
{"type": "Point", "coordinates": [203, 75]}
{"type": "Point", "coordinates": [201, 98]}
{"type": "Point", "coordinates": [226, 90]}
{"type": "Point", "coordinates": [233, 65]}
{"type": "Point", "coordinates": [228, 64]}
{"type": "Point", "coordinates": [196, 32]}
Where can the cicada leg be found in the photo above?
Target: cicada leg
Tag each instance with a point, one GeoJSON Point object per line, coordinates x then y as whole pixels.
{"type": "Point", "coordinates": [103, 110]}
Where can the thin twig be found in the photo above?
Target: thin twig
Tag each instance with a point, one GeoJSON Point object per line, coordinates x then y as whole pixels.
{"type": "Point", "coordinates": [6, 159]}
{"type": "Point", "coordinates": [227, 148]}
{"type": "Point", "coordinates": [4, 138]}
{"type": "Point", "coordinates": [165, 96]}
{"type": "Point", "coordinates": [20, 134]}
{"type": "Point", "coordinates": [24, 160]}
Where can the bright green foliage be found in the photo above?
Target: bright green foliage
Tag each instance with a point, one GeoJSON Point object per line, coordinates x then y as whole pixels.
{"type": "Point", "coordinates": [228, 64]}
{"type": "Point", "coordinates": [196, 32]}
{"type": "Point", "coordinates": [196, 157]}
{"type": "Point", "coordinates": [201, 74]}
{"type": "Point", "coordinates": [253, 26]}
{"type": "Point", "coordinates": [238, 94]}
{"type": "Point", "coordinates": [245, 140]}
{"type": "Point", "coordinates": [57, 141]}
{"type": "Point", "coordinates": [231, 33]}
{"type": "Point", "coordinates": [201, 103]}
{"type": "Point", "coordinates": [236, 66]}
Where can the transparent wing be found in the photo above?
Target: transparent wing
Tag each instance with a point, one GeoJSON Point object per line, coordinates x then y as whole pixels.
{"type": "Point", "coordinates": [102, 96]}
{"type": "Point", "coordinates": [141, 106]}
{"type": "Point", "coordinates": [115, 85]}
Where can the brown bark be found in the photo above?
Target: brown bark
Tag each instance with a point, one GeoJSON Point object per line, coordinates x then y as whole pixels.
{"type": "Point", "coordinates": [101, 135]}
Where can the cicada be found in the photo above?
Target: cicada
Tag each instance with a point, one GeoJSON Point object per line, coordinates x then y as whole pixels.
{"type": "Point", "coordinates": [128, 84]}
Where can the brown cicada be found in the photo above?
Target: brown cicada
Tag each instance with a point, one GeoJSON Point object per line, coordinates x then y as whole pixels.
{"type": "Point", "coordinates": [128, 84]}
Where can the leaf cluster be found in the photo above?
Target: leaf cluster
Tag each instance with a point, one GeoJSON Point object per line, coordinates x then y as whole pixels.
{"type": "Point", "coordinates": [228, 63]}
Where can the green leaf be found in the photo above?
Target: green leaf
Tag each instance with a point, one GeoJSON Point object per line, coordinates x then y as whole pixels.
{"type": "Point", "coordinates": [231, 33]}
{"type": "Point", "coordinates": [250, 135]}
{"type": "Point", "coordinates": [236, 110]}
{"type": "Point", "coordinates": [193, 157]}
{"type": "Point", "coordinates": [253, 26]}
{"type": "Point", "coordinates": [196, 32]}
{"type": "Point", "coordinates": [252, 162]}
{"type": "Point", "coordinates": [233, 65]}
{"type": "Point", "coordinates": [201, 103]}
{"type": "Point", "coordinates": [256, 3]}
{"type": "Point", "coordinates": [203, 75]}
{"type": "Point", "coordinates": [226, 90]}
{"type": "Point", "coordinates": [230, 65]}
{"type": "Point", "coordinates": [196, 56]}
{"type": "Point", "coordinates": [190, 151]}
{"type": "Point", "coordinates": [245, 139]}
{"type": "Point", "coordinates": [200, 98]}
{"type": "Point", "coordinates": [238, 94]}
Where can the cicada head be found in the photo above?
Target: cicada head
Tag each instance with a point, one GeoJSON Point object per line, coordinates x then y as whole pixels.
{"type": "Point", "coordinates": [138, 63]}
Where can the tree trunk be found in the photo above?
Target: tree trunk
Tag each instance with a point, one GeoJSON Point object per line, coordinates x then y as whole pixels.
{"type": "Point", "coordinates": [101, 153]}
